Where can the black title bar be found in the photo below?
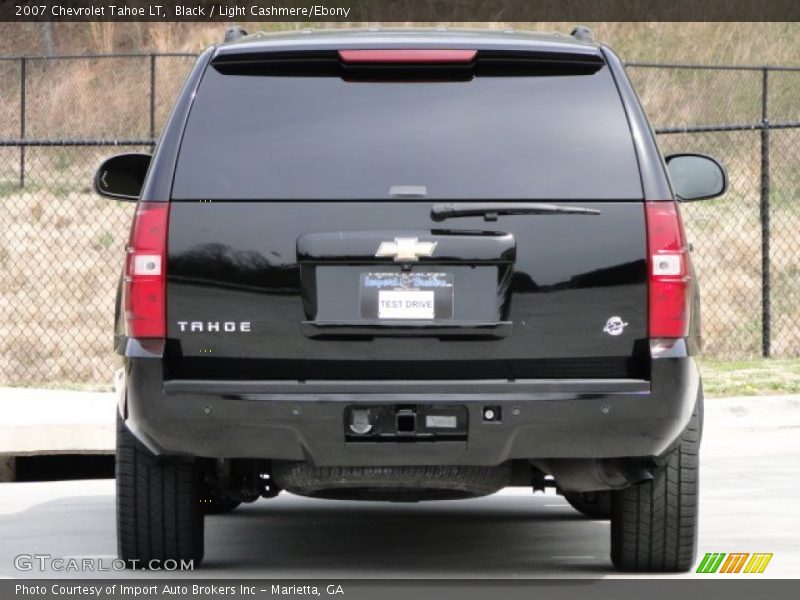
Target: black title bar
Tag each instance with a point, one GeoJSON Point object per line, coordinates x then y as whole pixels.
{"type": "Point", "coordinates": [579, 11]}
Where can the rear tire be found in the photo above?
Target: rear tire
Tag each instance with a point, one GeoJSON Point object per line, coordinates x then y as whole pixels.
{"type": "Point", "coordinates": [159, 516]}
{"type": "Point", "coordinates": [596, 505]}
{"type": "Point", "coordinates": [654, 524]}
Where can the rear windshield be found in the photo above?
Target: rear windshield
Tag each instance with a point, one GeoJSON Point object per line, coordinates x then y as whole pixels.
{"type": "Point", "coordinates": [258, 137]}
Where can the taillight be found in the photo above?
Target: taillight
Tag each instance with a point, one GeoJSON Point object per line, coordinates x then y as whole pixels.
{"type": "Point", "coordinates": [668, 265]}
{"type": "Point", "coordinates": [145, 272]}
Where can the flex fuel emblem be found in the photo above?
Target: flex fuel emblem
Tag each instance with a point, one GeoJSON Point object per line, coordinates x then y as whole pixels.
{"type": "Point", "coordinates": [615, 326]}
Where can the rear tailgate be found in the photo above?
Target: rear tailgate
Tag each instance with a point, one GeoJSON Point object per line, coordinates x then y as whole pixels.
{"type": "Point", "coordinates": [536, 303]}
{"type": "Point", "coordinates": [302, 243]}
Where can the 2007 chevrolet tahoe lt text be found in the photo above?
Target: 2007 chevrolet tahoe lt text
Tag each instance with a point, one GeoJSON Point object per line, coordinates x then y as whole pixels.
{"type": "Point", "coordinates": [409, 265]}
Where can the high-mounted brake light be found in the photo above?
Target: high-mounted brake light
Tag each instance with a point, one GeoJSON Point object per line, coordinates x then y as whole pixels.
{"type": "Point", "coordinates": [668, 267]}
{"type": "Point", "coordinates": [145, 272]}
{"type": "Point", "coordinates": [435, 56]}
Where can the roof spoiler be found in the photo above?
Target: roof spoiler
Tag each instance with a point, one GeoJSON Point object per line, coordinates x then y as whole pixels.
{"type": "Point", "coordinates": [355, 63]}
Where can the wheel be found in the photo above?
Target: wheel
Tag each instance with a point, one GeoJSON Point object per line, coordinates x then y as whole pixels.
{"type": "Point", "coordinates": [159, 516]}
{"type": "Point", "coordinates": [654, 524]}
{"type": "Point", "coordinates": [596, 505]}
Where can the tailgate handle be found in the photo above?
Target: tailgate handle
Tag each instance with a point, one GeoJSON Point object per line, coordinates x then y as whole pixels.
{"type": "Point", "coordinates": [493, 330]}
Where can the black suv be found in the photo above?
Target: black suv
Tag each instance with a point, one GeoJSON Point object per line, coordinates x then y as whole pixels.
{"type": "Point", "coordinates": [409, 265]}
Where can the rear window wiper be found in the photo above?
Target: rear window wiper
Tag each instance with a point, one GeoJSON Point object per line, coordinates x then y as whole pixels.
{"type": "Point", "coordinates": [491, 210]}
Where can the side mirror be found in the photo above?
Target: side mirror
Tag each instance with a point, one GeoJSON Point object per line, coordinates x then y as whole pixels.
{"type": "Point", "coordinates": [121, 176]}
{"type": "Point", "coordinates": [696, 176]}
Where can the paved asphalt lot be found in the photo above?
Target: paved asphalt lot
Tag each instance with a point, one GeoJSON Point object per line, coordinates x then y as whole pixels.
{"type": "Point", "coordinates": [749, 503]}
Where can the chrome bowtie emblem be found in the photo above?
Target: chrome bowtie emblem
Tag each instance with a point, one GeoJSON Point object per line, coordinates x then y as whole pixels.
{"type": "Point", "coordinates": [406, 249]}
{"type": "Point", "coordinates": [615, 326]}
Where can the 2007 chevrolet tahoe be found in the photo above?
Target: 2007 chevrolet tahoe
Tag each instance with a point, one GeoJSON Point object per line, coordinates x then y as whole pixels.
{"type": "Point", "coordinates": [409, 265]}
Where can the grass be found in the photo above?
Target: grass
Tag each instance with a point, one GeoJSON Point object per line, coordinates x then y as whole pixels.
{"type": "Point", "coordinates": [61, 257]}
{"type": "Point", "coordinates": [750, 377]}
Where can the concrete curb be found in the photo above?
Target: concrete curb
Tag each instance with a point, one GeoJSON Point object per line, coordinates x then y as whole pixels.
{"type": "Point", "coordinates": [37, 421]}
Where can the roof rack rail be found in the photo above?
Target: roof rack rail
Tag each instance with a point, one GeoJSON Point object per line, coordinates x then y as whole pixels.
{"type": "Point", "coordinates": [582, 33]}
{"type": "Point", "coordinates": [234, 33]}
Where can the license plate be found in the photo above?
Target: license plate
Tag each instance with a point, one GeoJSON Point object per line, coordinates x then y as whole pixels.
{"type": "Point", "coordinates": [405, 304]}
{"type": "Point", "coordinates": [411, 296]}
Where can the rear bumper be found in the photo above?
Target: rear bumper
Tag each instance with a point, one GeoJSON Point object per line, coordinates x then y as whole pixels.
{"type": "Point", "coordinates": [542, 419]}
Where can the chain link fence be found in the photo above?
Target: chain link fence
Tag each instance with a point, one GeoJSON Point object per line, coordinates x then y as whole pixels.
{"type": "Point", "coordinates": [61, 245]}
